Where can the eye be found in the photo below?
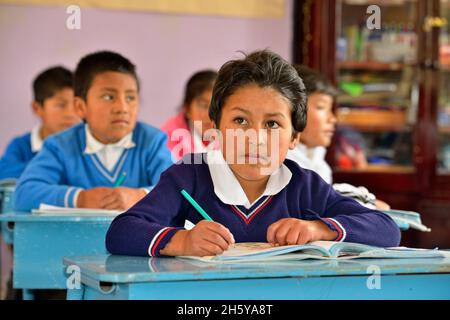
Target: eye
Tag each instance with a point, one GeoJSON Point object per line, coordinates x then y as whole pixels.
{"type": "Point", "coordinates": [131, 98]}
{"type": "Point", "coordinates": [320, 107]}
{"type": "Point", "coordinates": [107, 97]}
{"type": "Point", "coordinates": [272, 124]}
{"type": "Point", "coordinates": [203, 105]}
{"type": "Point", "coordinates": [240, 121]}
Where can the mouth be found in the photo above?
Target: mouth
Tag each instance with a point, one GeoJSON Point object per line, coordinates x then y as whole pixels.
{"type": "Point", "coordinates": [329, 133]}
{"type": "Point", "coordinates": [120, 122]}
{"type": "Point", "coordinates": [254, 158]}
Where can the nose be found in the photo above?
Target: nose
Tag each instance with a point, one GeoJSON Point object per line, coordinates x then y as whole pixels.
{"type": "Point", "coordinates": [70, 114]}
{"type": "Point", "coordinates": [332, 118]}
{"type": "Point", "coordinates": [121, 105]}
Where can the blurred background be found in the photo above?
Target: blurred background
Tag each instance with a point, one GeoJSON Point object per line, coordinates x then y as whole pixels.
{"type": "Point", "coordinates": [393, 109]}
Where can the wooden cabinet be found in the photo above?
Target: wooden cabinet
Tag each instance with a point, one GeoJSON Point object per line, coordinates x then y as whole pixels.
{"type": "Point", "coordinates": [393, 109]}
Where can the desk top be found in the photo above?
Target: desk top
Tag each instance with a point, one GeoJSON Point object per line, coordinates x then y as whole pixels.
{"type": "Point", "coordinates": [28, 217]}
{"type": "Point", "coordinates": [7, 188]}
{"type": "Point", "coordinates": [126, 269]}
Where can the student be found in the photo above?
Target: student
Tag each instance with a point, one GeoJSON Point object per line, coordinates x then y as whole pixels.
{"type": "Point", "coordinates": [185, 130]}
{"type": "Point", "coordinates": [85, 166]}
{"type": "Point", "coordinates": [318, 134]}
{"type": "Point", "coordinates": [251, 195]}
{"type": "Point", "coordinates": [53, 104]}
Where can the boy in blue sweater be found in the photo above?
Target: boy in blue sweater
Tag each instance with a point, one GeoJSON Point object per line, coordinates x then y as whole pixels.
{"type": "Point", "coordinates": [53, 104]}
{"type": "Point", "coordinates": [250, 190]}
{"type": "Point", "coordinates": [110, 161]}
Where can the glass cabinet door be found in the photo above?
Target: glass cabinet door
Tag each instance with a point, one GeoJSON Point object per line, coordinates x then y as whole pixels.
{"type": "Point", "coordinates": [377, 75]}
{"type": "Point", "coordinates": [444, 92]}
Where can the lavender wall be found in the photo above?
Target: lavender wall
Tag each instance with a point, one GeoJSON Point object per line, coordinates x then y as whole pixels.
{"type": "Point", "coordinates": [167, 49]}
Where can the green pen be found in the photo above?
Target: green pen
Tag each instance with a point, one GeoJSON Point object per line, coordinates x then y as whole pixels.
{"type": "Point", "coordinates": [120, 181]}
{"type": "Point", "coordinates": [196, 205]}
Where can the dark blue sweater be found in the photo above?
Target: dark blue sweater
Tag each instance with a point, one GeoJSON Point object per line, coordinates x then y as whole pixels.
{"type": "Point", "coordinates": [149, 225]}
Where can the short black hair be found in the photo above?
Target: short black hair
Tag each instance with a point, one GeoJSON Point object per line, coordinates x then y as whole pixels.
{"type": "Point", "coordinates": [198, 83]}
{"type": "Point", "coordinates": [315, 82]}
{"type": "Point", "coordinates": [265, 69]}
{"type": "Point", "coordinates": [99, 62]}
{"type": "Point", "coordinates": [50, 81]}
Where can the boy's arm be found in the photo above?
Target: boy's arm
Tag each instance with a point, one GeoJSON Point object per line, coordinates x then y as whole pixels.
{"type": "Point", "coordinates": [43, 182]}
{"type": "Point", "coordinates": [150, 224]}
{"type": "Point", "coordinates": [352, 221]}
{"type": "Point", "coordinates": [12, 163]}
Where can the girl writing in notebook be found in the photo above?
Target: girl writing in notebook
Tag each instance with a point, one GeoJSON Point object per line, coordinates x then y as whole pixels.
{"type": "Point", "coordinates": [248, 187]}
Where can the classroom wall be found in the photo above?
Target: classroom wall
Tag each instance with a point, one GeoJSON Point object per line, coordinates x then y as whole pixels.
{"type": "Point", "coordinates": [166, 48]}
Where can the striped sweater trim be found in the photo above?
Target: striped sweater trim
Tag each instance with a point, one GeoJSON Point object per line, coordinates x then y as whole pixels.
{"type": "Point", "coordinates": [248, 218]}
{"type": "Point", "coordinates": [342, 234]}
{"type": "Point", "coordinates": [156, 240]}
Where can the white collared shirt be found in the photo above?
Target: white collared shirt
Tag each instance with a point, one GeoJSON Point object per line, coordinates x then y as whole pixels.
{"type": "Point", "coordinates": [312, 159]}
{"type": "Point", "coordinates": [108, 154]}
{"type": "Point", "coordinates": [36, 140]}
{"type": "Point", "coordinates": [229, 190]}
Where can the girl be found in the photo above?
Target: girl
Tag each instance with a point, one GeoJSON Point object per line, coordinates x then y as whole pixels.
{"type": "Point", "coordinates": [186, 129]}
{"type": "Point", "coordinates": [249, 189]}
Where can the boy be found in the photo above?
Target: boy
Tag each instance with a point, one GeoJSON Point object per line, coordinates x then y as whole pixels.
{"type": "Point", "coordinates": [318, 134]}
{"type": "Point", "coordinates": [53, 104]}
{"type": "Point", "coordinates": [249, 189]}
{"type": "Point", "coordinates": [85, 166]}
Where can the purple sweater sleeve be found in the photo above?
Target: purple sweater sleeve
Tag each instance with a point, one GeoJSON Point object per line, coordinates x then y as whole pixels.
{"type": "Point", "coordinates": [352, 221]}
{"type": "Point", "coordinates": [143, 230]}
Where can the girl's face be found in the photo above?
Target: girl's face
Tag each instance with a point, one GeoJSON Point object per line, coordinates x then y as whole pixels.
{"type": "Point", "coordinates": [321, 122]}
{"type": "Point", "coordinates": [257, 131]}
{"type": "Point", "coordinates": [197, 111]}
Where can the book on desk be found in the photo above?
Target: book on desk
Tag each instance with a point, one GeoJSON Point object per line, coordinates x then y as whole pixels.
{"type": "Point", "coordinates": [265, 252]}
{"type": "Point", "coordinates": [50, 210]}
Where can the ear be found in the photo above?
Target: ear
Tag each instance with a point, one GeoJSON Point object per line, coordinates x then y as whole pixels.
{"type": "Point", "coordinates": [37, 108]}
{"type": "Point", "coordinates": [80, 107]}
{"type": "Point", "coordinates": [295, 141]}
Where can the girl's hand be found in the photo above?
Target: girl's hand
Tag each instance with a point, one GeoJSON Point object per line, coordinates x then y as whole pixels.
{"type": "Point", "coordinates": [296, 231]}
{"type": "Point", "coordinates": [207, 238]}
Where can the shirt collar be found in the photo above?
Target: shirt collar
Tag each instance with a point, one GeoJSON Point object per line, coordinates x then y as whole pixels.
{"type": "Point", "coordinates": [36, 140]}
{"type": "Point", "coordinates": [94, 146]}
{"type": "Point", "coordinates": [313, 154]}
{"type": "Point", "coordinates": [228, 189]}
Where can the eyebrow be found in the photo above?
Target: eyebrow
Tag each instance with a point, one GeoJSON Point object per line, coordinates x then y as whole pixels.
{"type": "Point", "coordinates": [115, 90]}
{"type": "Point", "coordinates": [275, 114]}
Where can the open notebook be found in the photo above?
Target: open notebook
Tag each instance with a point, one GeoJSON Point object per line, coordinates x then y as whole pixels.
{"type": "Point", "coordinates": [49, 210]}
{"type": "Point", "coordinates": [258, 251]}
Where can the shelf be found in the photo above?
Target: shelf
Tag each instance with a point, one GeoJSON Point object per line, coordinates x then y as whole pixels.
{"type": "Point", "coordinates": [377, 2]}
{"type": "Point", "coordinates": [371, 65]}
{"type": "Point", "coordinates": [377, 168]}
{"type": "Point", "coordinates": [444, 130]}
{"type": "Point", "coordinates": [443, 172]}
{"type": "Point", "coordinates": [373, 120]}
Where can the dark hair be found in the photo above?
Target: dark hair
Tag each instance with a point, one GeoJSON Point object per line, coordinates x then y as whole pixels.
{"type": "Point", "coordinates": [99, 62]}
{"type": "Point", "coordinates": [49, 81]}
{"type": "Point", "coordinates": [314, 81]}
{"type": "Point", "coordinates": [197, 84]}
{"type": "Point", "coordinates": [265, 69]}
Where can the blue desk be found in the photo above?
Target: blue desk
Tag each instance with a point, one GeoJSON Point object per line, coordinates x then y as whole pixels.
{"type": "Point", "coordinates": [41, 242]}
{"type": "Point", "coordinates": [6, 206]}
{"type": "Point", "coordinates": [121, 277]}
